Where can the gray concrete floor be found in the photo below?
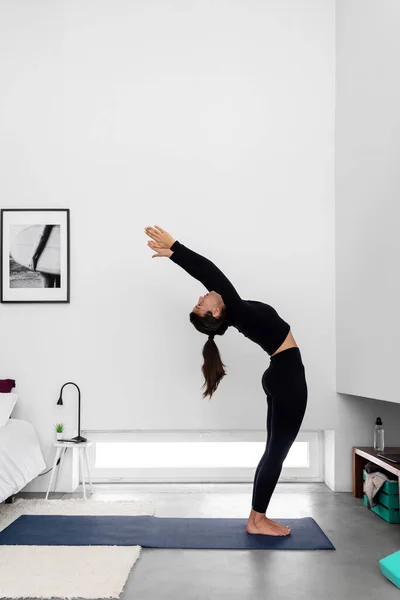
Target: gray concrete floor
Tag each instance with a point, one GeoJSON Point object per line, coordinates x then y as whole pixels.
{"type": "Point", "coordinates": [352, 571]}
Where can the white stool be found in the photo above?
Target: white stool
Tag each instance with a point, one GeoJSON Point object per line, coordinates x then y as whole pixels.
{"type": "Point", "coordinates": [62, 448]}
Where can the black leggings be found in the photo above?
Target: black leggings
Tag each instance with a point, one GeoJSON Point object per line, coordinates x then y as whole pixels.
{"type": "Point", "coordinates": [284, 382]}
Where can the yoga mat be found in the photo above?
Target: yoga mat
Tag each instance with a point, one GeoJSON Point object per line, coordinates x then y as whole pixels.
{"type": "Point", "coordinates": [156, 532]}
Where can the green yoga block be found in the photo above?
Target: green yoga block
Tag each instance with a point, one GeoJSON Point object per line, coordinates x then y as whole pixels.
{"type": "Point", "coordinates": [391, 515]}
{"type": "Point", "coordinates": [390, 567]}
{"type": "Point", "coordinates": [388, 500]}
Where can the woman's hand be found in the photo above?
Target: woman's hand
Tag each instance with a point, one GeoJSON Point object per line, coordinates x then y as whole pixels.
{"type": "Point", "coordinates": [160, 251]}
{"type": "Point", "coordinates": [163, 238]}
{"type": "Point", "coordinates": [162, 241]}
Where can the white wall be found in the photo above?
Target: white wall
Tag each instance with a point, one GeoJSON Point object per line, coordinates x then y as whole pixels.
{"type": "Point", "coordinates": [214, 120]}
{"type": "Point", "coordinates": [367, 245]}
{"type": "Point", "coordinates": [367, 198]}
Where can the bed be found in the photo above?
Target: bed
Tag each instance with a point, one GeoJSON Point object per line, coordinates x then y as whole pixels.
{"type": "Point", "coordinates": [21, 458]}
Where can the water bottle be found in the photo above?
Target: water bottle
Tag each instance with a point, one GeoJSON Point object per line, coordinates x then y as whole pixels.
{"type": "Point", "coordinates": [379, 438]}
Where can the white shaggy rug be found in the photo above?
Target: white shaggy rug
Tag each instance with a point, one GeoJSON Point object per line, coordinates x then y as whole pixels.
{"type": "Point", "coordinates": [67, 571]}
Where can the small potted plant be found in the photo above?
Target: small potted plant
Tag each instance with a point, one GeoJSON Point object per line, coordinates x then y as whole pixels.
{"type": "Point", "coordinates": [60, 431]}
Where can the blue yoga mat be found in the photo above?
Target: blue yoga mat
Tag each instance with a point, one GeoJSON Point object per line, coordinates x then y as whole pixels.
{"type": "Point", "coordinates": [156, 532]}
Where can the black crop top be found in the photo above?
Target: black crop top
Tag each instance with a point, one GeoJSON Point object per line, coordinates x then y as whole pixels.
{"type": "Point", "coordinates": [255, 320]}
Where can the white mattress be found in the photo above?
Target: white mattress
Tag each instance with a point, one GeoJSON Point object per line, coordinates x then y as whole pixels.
{"type": "Point", "coordinates": [21, 458]}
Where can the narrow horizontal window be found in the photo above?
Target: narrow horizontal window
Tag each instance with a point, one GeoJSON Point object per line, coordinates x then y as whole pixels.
{"type": "Point", "coordinates": [145, 455]}
{"type": "Point", "coordinates": [197, 456]}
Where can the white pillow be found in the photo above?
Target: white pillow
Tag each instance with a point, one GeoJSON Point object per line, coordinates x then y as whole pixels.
{"type": "Point", "coordinates": [7, 403]}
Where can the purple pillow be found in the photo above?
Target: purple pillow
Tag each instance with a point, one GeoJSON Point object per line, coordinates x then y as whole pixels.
{"type": "Point", "coordinates": [6, 385]}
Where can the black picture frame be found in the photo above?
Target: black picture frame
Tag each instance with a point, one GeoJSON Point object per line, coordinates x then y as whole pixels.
{"type": "Point", "coordinates": [65, 291]}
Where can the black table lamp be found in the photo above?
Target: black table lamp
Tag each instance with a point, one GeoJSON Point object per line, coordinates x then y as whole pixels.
{"type": "Point", "coordinates": [78, 438]}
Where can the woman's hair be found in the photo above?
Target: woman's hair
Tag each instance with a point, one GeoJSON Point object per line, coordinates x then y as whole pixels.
{"type": "Point", "coordinates": [213, 368]}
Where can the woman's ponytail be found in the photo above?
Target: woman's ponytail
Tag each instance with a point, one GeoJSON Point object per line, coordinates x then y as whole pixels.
{"type": "Point", "coordinates": [213, 367]}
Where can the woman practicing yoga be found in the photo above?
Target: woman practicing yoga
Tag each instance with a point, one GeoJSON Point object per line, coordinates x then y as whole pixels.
{"type": "Point", "coordinates": [284, 381]}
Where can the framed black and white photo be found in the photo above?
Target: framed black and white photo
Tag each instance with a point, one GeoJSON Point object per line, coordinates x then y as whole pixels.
{"type": "Point", "coordinates": [35, 255]}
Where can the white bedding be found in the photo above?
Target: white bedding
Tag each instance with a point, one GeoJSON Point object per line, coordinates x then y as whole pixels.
{"type": "Point", "coordinates": [21, 458]}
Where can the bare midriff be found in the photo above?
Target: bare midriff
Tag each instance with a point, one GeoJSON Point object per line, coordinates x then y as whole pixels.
{"type": "Point", "coordinates": [289, 342]}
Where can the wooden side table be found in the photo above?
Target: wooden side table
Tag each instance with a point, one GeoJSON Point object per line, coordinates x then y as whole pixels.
{"type": "Point", "coordinates": [62, 448]}
{"type": "Point", "coordinates": [363, 455]}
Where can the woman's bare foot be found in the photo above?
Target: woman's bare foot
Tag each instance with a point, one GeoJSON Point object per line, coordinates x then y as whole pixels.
{"type": "Point", "coordinates": [258, 523]}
